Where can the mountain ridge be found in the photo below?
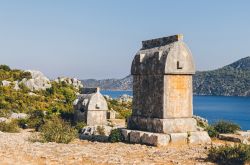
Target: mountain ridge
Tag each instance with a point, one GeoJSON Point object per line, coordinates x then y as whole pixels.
{"type": "Point", "coordinates": [229, 80]}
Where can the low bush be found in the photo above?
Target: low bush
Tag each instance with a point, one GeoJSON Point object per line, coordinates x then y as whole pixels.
{"type": "Point", "coordinates": [124, 109]}
{"type": "Point", "coordinates": [11, 126]}
{"type": "Point", "coordinates": [5, 68]}
{"type": "Point", "coordinates": [5, 113]}
{"type": "Point", "coordinates": [116, 136]}
{"type": "Point", "coordinates": [211, 131]}
{"type": "Point", "coordinates": [221, 127]}
{"type": "Point", "coordinates": [22, 123]}
{"type": "Point", "coordinates": [226, 127]}
{"type": "Point", "coordinates": [230, 155]}
{"type": "Point", "coordinates": [79, 126]}
{"type": "Point", "coordinates": [56, 130]}
{"type": "Point", "coordinates": [36, 120]}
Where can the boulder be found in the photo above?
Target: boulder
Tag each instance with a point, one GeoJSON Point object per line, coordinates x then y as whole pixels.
{"type": "Point", "coordinates": [3, 119]}
{"type": "Point", "coordinates": [70, 81]}
{"type": "Point", "coordinates": [96, 133]}
{"type": "Point", "coordinates": [18, 116]}
{"type": "Point", "coordinates": [16, 86]}
{"type": "Point", "coordinates": [37, 82]}
{"type": "Point", "coordinates": [245, 134]}
{"type": "Point", "coordinates": [239, 136]}
{"type": "Point", "coordinates": [6, 83]}
{"type": "Point", "coordinates": [32, 94]}
{"type": "Point", "coordinates": [97, 130]}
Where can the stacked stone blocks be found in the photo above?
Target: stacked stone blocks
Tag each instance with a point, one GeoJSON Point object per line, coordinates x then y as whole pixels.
{"type": "Point", "coordinates": [163, 96]}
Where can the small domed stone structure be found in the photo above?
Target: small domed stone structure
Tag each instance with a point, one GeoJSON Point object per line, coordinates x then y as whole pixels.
{"type": "Point", "coordinates": [91, 107]}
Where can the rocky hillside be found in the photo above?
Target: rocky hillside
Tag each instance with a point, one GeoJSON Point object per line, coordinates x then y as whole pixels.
{"type": "Point", "coordinates": [110, 84]}
{"type": "Point", "coordinates": [28, 91]}
{"type": "Point", "coordinates": [230, 80]}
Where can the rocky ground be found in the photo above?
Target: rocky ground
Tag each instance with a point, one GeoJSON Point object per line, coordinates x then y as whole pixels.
{"type": "Point", "coordinates": [16, 148]}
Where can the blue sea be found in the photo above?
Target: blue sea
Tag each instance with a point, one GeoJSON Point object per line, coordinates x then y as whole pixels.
{"type": "Point", "coordinates": [214, 108]}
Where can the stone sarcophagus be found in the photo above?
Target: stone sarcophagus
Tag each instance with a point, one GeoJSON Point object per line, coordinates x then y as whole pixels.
{"type": "Point", "coordinates": [91, 107]}
{"type": "Point", "coordinates": [162, 87]}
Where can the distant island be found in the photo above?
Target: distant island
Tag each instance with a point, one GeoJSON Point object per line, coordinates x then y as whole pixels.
{"type": "Point", "coordinates": [230, 80]}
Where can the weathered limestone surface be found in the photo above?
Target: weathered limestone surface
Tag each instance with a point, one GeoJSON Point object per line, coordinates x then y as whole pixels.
{"type": "Point", "coordinates": [162, 86]}
{"type": "Point", "coordinates": [162, 93]}
{"type": "Point", "coordinates": [239, 136]}
{"type": "Point", "coordinates": [125, 133]}
{"type": "Point", "coordinates": [179, 138]}
{"type": "Point", "coordinates": [111, 114]}
{"type": "Point", "coordinates": [91, 107]}
{"type": "Point", "coordinates": [162, 139]}
{"type": "Point", "coordinates": [178, 96]}
{"type": "Point", "coordinates": [135, 136]}
{"type": "Point", "coordinates": [37, 82]}
{"type": "Point", "coordinates": [155, 139]}
{"type": "Point", "coordinates": [200, 137]}
{"type": "Point", "coordinates": [174, 125]}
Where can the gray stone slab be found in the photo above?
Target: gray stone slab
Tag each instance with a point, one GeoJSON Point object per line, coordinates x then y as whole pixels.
{"type": "Point", "coordinates": [201, 137]}
{"type": "Point", "coordinates": [135, 136]}
{"type": "Point", "coordinates": [178, 138]}
{"type": "Point", "coordinates": [231, 137]}
{"type": "Point", "coordinates": [126, 134]}
{"type": "Point", "coordinates": [156, 125]}
{"type": "Point", "coordinates": [155, 139]}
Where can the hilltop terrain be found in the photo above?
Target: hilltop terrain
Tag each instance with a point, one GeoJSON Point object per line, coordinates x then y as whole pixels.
{"type": "Point", "coordinates": [230, 80]}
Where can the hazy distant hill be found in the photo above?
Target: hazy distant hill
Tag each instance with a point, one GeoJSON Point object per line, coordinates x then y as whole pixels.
{"type": "Point", "coordinates": [230, 80]}
{"type": "Point", "coordinates": [110, 84]}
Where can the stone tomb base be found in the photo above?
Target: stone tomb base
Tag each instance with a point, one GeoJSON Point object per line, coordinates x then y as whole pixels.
{"type": "Point", "coordinates": [160, 139]}
{"type": "Point", "coordinates": [175, 125]}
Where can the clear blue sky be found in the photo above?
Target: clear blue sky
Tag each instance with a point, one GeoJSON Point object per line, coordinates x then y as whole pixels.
{"type": "Point", "coordinates": [98, 39]}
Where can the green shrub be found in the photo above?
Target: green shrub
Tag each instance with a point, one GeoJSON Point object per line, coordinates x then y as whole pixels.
{"type": "Point", "coordinates": [5, 68]}
{"type": "Point", "coordinates": [124, 109]}
{"type": "Point", "coordinates": [26, 75]}
{"type": "Point", "coordinates": [22, 123]}
{"type": "Point", "coordinates": [79, 125]}
{"type": "Point", "coordinates": [211, 131]}
{"type": "Point", "coordinates": [60, 99]}
{"type": "Point", "coordinates": [226, 127]}
{"type": "Point", "coordinates": [68, 116]}
{"type": "Point", "coordinates": [221, 127]}
{"type": "Point", "coordinates": [229, 155]}
{"type": "Point", "coordinates": [36, 119]}
{"type": "Point", "coordinates": [56, 130]}
{"type": "Point", "coordinates": [11, 126]}
{"type": "Point", "coordinates": [116, 136]}
{"type": "Point", "coordinates": [5, 113]}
